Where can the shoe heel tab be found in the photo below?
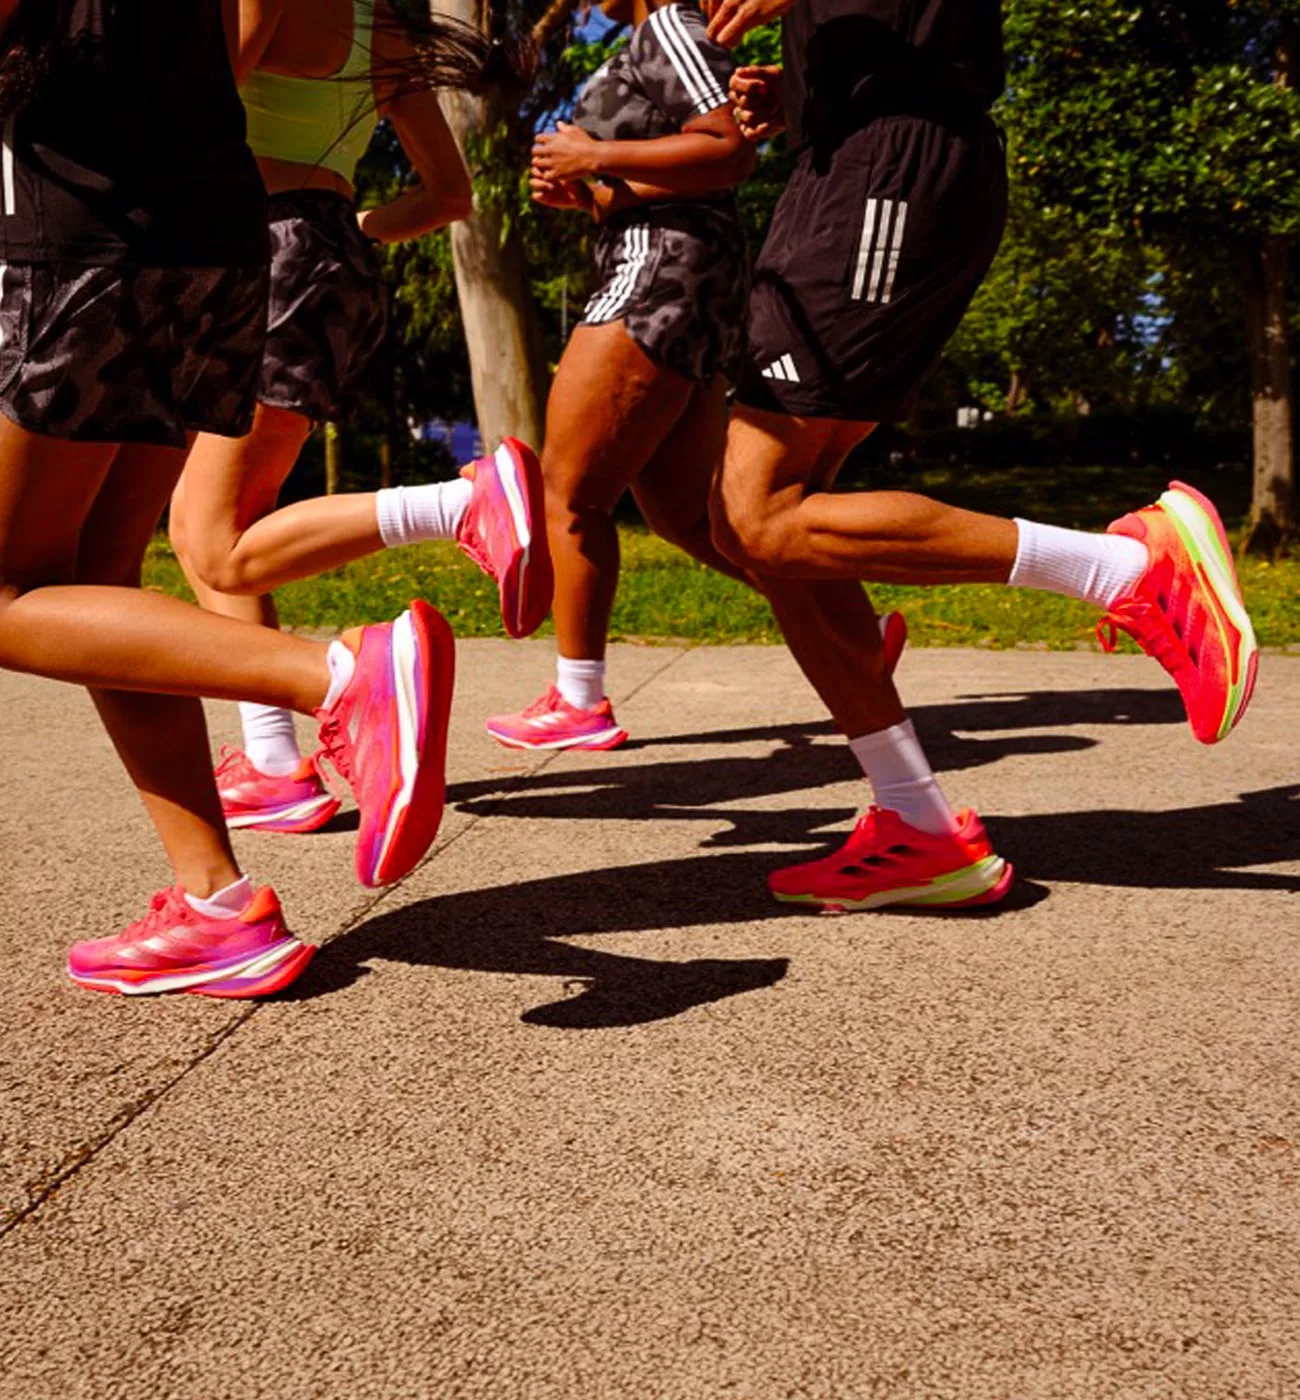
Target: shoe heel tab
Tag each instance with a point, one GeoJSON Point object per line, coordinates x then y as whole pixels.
{"type": "Point", "coordinates": [265, 904]}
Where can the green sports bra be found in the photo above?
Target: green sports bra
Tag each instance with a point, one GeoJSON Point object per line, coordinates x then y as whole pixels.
{"type": "Point", "coordinates": [325, 122]}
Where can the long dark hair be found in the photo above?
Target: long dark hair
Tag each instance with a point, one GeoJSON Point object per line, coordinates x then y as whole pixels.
{"type": "Point", "coordinates": [29, 40]}
{"type": "Point", "coordinates": [446, 53]}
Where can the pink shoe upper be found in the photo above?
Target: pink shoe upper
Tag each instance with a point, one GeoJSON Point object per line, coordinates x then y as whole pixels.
{"type": "Point", "coordinates": [550, 722]}
{"type": "Point", "coordinates": [386, 735]}
{"type": "Point", "coordinates": [174, 946]}
{"type": "Point", "coordinates": [503, 531]}
{"type": "Point", "coordinates": [297, 801]}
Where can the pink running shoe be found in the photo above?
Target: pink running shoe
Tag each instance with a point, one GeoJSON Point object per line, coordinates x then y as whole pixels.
{"type": "Point", "coordinates": [886, 861]}
{"type": "Point", "coordinates": [387, 736]}
{"type": "Point", "coordinates": [552, 723]}
{"type": "Point", "coordinates": [175, 949]}
{"type": "Point", "coordinates": [893, 632]}
{"type": "Point", "coordinates": [253, 801]}
{"type": "Point", "coordinates": [1186, 610]}
{"type": "Point", "coordinates": [504, 532]}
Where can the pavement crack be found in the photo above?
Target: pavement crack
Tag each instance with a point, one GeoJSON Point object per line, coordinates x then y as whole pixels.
{"type": "Point", "coordinates": [85, 1153]}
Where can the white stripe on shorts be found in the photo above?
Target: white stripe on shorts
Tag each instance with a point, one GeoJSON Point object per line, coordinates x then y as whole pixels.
{"type": "Point", "coordinates": [883, 225]}
{"type": "Point", "coordinates": [607, 305]}
{"type": "Point", "coordinates": [7, 156]}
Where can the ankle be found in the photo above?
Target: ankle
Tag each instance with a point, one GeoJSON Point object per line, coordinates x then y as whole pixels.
{"type": "Point", "coordinates": [204, 879]}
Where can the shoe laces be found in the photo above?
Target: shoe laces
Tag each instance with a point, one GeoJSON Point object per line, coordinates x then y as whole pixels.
{"type": "Point", "coordinates": [335, 746]}
{"type": "Point", "coordinates": [160, 905]}
{"type": "Point", "coordinates": [1150, 628]}
{"type": "Point", "coordinates": [230, 760]}
{"type": "Point", "coordinates": [543, 705]}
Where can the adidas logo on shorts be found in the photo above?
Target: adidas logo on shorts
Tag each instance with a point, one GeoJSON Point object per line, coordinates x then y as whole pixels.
{"type": "Point", "coordinates": [783, 369]}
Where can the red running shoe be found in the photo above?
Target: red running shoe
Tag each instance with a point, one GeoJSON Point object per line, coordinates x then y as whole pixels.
{"type": "Point", "coordinates": [387, 736]}
{"type": "Point", "coordinates": [1186, 610]}
{"type": "Point", "coordinates": [886, 861]}
{"type": "Point", "coordinates": [253, 801]}
{"type": "Point", "coordinates": [893, 633]}
{"type": "Point", "coordinates": [176, 949]}
{"type": "Point", "coordinates": [503, 531]}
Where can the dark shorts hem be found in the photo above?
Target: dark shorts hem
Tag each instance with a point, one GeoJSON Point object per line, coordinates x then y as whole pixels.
{"type": "Point", "coordinates": [872, 259]}
{"type": "Point", "coordinates": [329, 307]}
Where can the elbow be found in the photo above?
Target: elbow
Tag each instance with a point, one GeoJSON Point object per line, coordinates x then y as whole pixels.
{"type": "Point", "coordinates": [741, 160]}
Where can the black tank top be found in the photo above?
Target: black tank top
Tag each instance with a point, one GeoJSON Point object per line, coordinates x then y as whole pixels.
{"type": "Point", "coordinates": [133, 150]}
{"type": "Point", "coordinates": [845, 59]}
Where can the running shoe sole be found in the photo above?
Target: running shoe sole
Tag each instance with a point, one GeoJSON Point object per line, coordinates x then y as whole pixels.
{"type": "Point", "coordinates": [424, 659]}
{"type": "Point", "coordinates": [602, 739]}
{"type": "Point", "coordinates": [1201, 530]}
{"type": "Point", "coordinates": [985, 882]}
{"type": "Point", "coordinates": [257, 974]}
{"type": "Point", "coordinates": [296, 818]}
{"type": "Point", "coordinates": [530, 582]}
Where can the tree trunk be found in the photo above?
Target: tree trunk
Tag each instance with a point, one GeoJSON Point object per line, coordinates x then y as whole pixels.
{"type": "Point", "coordinates": [504, 337]}
{"type": "Point", "coordinates": [1262, 270]}
{"type": "Point", "coordinates": [1017, 392]}
{"type": "Point", "coordinates": [333, 459]}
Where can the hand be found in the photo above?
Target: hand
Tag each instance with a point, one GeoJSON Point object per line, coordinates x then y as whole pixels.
{"type": "Point", "coordinates": [559, 194]}
{"type": "Point", "coordinates": [566, 153]}
{"type": "Point", "coordinates": [756, 102]}
{"type": "Point", "coordinates": [731, 20]}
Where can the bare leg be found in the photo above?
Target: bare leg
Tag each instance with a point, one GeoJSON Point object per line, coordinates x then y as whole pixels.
{"type": "Point", "coordinates": [119, 638]}
{"type": "Point", "coordinates": [231, 540]}
{"type": "Point", "coordinates": [673, 488]}
{"type": "Point", "coordinates": [610, 408]}
{"type": "Point", "coordinates": [162, 740]}
{"type": "Point", "coordinates": [773, 522]}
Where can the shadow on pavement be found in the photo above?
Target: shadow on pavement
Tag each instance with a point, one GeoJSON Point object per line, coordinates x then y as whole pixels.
{"type": "Point", "coordinates": [690, 789]}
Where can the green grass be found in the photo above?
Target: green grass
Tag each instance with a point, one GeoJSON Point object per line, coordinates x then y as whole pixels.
{"type": "Point", "coordinates": [665, 596]}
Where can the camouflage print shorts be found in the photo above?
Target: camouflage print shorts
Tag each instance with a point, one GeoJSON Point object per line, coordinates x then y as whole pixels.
{"type": "Point", "coordinates": [329, 308]}
{"type": "Point", "coordinates": [677, 276]}
{"type": "Point", "coordinates": [130, 354]}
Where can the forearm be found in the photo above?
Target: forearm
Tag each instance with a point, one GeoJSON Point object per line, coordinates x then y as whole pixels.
{"type": "Point", "coordinates": [418, 211]}
{"type": "Point", "coordinates": [692, 163]}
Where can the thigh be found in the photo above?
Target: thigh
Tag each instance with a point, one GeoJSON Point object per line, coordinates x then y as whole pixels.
{"type": "Point", "coordinates": [609, 409]}
{"type": "Point", "coordinates": [126, 513]}
{"type": "Point", "coordinates": [673, 488]}
{"type": "Point", "coordinates": [229, 483]}
{"type": "Point", "coordinates": [48, 488]}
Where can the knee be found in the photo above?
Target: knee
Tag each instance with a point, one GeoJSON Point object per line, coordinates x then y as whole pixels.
{"type": "Point", "coordinates": [744, 530]}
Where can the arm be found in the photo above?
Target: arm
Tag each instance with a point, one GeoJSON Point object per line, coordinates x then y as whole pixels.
{"type": "Point", "coordinates": [445, 194]}
{"type": "Point", "coordinates": [709, 155]}
{"type": "Point", "coordinates": [251, 25]}
{"type": "Point", "coordinates": [731, 20]}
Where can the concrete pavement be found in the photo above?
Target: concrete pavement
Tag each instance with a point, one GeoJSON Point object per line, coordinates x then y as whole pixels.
{"type": "Point", "coordinates": [576, 1111]}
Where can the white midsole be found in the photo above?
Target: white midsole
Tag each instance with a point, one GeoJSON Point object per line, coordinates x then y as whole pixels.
{"type": "Point", "coordinates": [295, 811]}
{"type": "Point", "coordinates": [571, 743]}
{"type": "Point", "coordinates": [509, 475]}
{"type": "Point", "coordinates": [256, 966]}
{"type": "Point", "coordinates": [966, 884]}
{"type": "Point", "coordinates": [405, 656]}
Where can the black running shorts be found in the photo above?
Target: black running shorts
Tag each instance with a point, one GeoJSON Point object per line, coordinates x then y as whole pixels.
{"type": "Point", "coordinates": [329, 308]}
{"type": "Point", "coordinates": [676, 275]}
{"type": "Point", "coordinates": [874, 253]}
{"type": "Point", "coordinates": [130, 354]}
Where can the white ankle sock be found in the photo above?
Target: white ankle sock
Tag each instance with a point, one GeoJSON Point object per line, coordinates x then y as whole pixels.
{"type": "Point", "coordinates": [410, 514]}
{"type": "Point", "coordinates": [900, 776]}
{"type": "Point", "coordinates": [224, 904]}
{"type": "Point", "coordinates": [343, 667]}
{"type": "Point", "coordinates": [582, 683]}
{"type": "Point", "coordinates": [269, 740]}
{"type": "Point", "coordinates": [1097, 568]}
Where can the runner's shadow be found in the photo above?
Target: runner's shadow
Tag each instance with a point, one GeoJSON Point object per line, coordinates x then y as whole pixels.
{"type": "Point", "coordinates": [519, 929]}
{"type": "Point", "coordinates": [687, 789]}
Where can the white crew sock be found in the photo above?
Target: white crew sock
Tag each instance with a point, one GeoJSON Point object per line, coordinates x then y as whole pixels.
{"type": "Point", "coordinates": [343, 666]}
{"type": "Point", "coordinates": [410, 514]}
{"type": "Point", "coordinates": [269, 740]}
{"type": "Point", "coordinates": [1097, 568]}
{"type": "Point", "coordinates": [900, 776]}
{"type": "Point", "coordinates": [225, 904]}
{"type": "Point", "coordinates": [582, 683]}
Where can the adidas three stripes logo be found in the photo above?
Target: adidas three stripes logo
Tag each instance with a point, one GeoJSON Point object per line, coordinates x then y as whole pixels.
{"type": "Point", "coordinates": [883, 225]}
